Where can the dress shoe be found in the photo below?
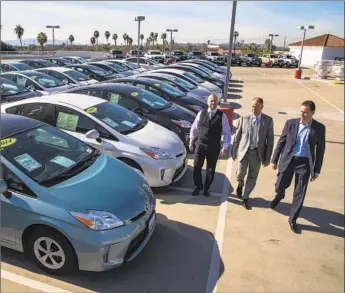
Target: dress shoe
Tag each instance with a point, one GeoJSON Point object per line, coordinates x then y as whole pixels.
{"type": "Point", "coordinates": [197, 190]}
{"type": "Point", "coordinates": [239, 191]}
{"type": "Point", "coordinates": [293, 227]}
{"type": "Point", "coordinates": [245, 204]}
{"type": "Point", "coordinates": [206, 193]}
{"type": "Point", "coordinates": [275, 202]}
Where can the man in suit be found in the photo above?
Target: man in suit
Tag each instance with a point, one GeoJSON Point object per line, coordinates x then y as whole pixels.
{"type": "Point", "coordinates": [253, 145]}
{"type": "Point", "coordinates": [205, 142]}
{"type": "Point", "coordinates": [300, 151]}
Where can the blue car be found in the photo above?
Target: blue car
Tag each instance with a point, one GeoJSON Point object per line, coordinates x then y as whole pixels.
{"type": "Point", "coordinates": [66, 204]}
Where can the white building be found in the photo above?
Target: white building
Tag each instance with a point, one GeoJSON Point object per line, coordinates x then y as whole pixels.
{"type": "Point", "coordinates": [324, 47]}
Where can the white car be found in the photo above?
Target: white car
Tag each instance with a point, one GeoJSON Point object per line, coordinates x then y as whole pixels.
{"type": "Point", "coordinates": [145, 62]}
{"type": "Point", "coordinates": [68, 75]}
{"type": "Point", "coordinates": [37, 81]}
{"type": "Point", "coordinates": [155, 55]}
{"type": "Point", "coordinates": [194, 79]}
{"type": "Point", "coordinates": [144, 145]}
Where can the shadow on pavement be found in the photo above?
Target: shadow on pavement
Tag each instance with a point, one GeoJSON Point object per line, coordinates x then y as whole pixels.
{"type": "Point", "coordinates": [236, 85]}
{"type": "Point", "coordinates": [327, 222]}
{"type": "Point", "coordinates": [234, 96]}
{"type": "Point", "coordinates": [176, 259]}
{"type": "Point", "coordinates": [235, 106]}
{"type": "Point", "coordinates": [236, 81]}
{"type": "Point", "coordinates": [234, 90]}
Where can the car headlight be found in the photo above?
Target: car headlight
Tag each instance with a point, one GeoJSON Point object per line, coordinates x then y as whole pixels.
{"type": "Point", "coordinates": [182, 123]}
{"type": "Point", "coordinates": [195, 108]}
{"type": "Point", "coordinates": [156, 153]}
{"type": "Point", "coordinates": [98, 220]}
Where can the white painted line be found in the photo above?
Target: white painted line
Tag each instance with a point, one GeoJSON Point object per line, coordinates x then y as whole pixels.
{"type": "Point", "coordinates": [321, 97]}
{"type": "Point", "coordinates": [31, 283]}
{"type": "Point", "coordinates": [190, 190]}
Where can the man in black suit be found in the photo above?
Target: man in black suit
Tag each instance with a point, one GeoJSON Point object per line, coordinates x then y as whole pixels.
{"type": "Point", "coordinates": [301, 149]}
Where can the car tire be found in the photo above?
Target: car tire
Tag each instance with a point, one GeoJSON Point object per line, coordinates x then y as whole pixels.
{"type": "Point", "coordinates": [65, 258]}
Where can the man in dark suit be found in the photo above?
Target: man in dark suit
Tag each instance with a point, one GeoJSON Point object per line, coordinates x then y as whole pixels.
{"type": "Point", "coordinates": [301, 149]}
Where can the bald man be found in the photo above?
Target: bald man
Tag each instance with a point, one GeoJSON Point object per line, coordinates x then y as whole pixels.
{"type": "Point", "coordinates": [253, 146]}
{"type": "Point", "coordinates": [205, 141]}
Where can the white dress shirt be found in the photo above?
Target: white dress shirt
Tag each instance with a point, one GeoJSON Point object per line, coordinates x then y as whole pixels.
{"type": "Point", "coordinates": [226, 131]}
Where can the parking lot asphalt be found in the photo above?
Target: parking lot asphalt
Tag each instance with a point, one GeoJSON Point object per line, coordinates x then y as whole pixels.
{"type": "Point", "coordinates": [214, 244]}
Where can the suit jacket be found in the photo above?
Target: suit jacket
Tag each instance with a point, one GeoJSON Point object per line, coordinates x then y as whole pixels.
{"type": "Point", "coordinates": [266, 137]}
{"type": "Point", "coordinates": [286, 145]}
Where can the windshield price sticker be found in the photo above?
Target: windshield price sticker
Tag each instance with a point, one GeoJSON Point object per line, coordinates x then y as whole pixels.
{"type": "Point", "coordinates": [7, 142]}
{"type": "Point", "coordinates": [134, 94]}
{"type": "Point", "coordinates": [110, 122]}
{"type": "Point", "coordinates": [63, 161]}
{"type": "Point", "coordinates": [157, 84]}
{"type": "Point", "coordinates": [67, 121]}
{"type": "Point", "coordinates": [91, 110]}
{"type": "Point", "coordinates": [27, 162]}
{"type": "Point", "coordinates": [130, 124]}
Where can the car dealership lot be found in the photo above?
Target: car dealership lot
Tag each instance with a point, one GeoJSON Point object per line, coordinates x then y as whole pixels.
{"type": "Point", "coordinates": [254, 251]}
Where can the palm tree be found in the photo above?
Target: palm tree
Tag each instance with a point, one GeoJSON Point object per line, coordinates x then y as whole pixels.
{"type": "Point", "coordinates": [96, 35]}
{"type": "Point", "coordinates": [125, 38]}
{"type": "Point", "coordinates": [71, 39]}
{"type": "Point", "coordinates": [142, 39]}
{"type": "Point", "coordinates": [130, 42]}
{"type": "Point", "coordinates": [236, 34]}
{"type": "Point", "coordinates": [156, 38]}
{"type": "Point", "coordinates": [114, 37]}
{"type": "Point", "coordinates": [93, 40]}
{"type": "Point", "coordinates": [107, 36]}
{"type": "Point", "coordinates": [163, 37]}
{"type": "Point", "coordinates": [152, 36]}
{"type": "Point", "coordinates": [19, 31]}
{"type": "Point", "coordinates": [208, 42]}
{"type": "Point", "coordinates": [42, 39]}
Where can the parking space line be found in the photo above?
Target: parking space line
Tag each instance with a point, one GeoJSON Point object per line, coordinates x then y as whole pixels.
{"type": "Point", "coordinates": [31, 283]}
{"type": "Point", "coordinates": [190, 190]}
{"type": "Point", "coordinates": [321, 97]}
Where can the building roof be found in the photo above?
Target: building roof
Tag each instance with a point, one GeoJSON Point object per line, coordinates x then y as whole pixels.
{"type": "Point", "coordinates": [326, 40]}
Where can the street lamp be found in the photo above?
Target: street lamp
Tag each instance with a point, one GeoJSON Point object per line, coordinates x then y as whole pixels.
{"type": "Point", "coordinates": [171, 31]}
{"type": "Point", "coordinates": [53, 27]}
{"type": "Point", "coordinates": [139, 19]}
{"type": "Point", "coordinates": [272, 36]}
{"type": "Point", "coordinates": [304, 28]}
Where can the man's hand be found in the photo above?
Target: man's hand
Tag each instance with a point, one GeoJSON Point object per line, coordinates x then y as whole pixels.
{"type": "Point", "coordinates": [222, 151]}
{"type": "Point", "coordinates": [234, 156]}
{"type": "Point", "coordinates": [274, 166]}
{"type": "Point", "coordinates": [314, 177]}
{"type": "Point", "coordinates": [265, 164]}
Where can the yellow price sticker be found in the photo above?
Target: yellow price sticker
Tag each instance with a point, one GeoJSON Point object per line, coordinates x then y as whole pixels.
{"type": "Point", "coordinates": [91, 110]}
{"type": "Point", "coordinates": [7, 142]}
{"type": "Point", "coordinates": [157, 84]}
{"type": "Point", "coordinates": [134, 94]}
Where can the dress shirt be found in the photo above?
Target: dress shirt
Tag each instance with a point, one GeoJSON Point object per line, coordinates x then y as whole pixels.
{"type": "Point", "coordinates": [226, 131]}
{"type": "Point", "coordinates": [302, 144]}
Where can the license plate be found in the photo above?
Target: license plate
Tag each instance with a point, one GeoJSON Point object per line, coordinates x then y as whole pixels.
{"type": "Point", "coordinates": [152, 222]}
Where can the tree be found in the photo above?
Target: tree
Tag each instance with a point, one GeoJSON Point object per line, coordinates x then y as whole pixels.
{"type": "Point", "coordinates": [125, 38]}
{"type": "Point", "coordinates": [130, 42]}
{"type": "Point", "coordinates": [268, 43]}
{"type": "Point", "coordinates": [42, 39]}
{"type": "Point", "coordinates": [93, 40]}
{"type": "Point", "coordinates": [96, 36]}
{"type": "Point", "coordinates": [19, 31]}
{"type": "Point", "coordinates": [114, 37]}
{"type": "Point", "coordinates": [152, 36]}
{"type": "Point", "coordinates": [156, 38]}
{"type": "Point", "coordinates": [71, 39]}
{"type": "Point", "coordinates": [107, 36]}
{"type": "Point", "coordinates": [163, 37]}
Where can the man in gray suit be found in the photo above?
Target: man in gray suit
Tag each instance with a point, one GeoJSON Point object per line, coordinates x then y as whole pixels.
{"type": "Point", "coordinates": [253, 146]}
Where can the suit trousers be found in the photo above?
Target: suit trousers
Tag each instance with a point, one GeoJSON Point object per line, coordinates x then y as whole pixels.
{"type": "Point", "coordinates": [211, 154]}
{"type": "Point", "coordinates": [251, 162]}
{"type": "Point", "coordinates": [300, 167]}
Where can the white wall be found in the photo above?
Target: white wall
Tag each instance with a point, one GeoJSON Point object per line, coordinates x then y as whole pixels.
{"type": "Point", "coordinates": [311, 55]}
{"type": "Point", "coordinates": [330, 53]}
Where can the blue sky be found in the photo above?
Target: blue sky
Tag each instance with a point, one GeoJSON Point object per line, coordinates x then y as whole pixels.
{"type": "Point", "coordinates": [197, 21]}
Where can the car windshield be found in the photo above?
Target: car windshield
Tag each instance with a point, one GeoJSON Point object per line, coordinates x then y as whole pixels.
{"type": "Point", "coordinates": [46, 154]}
{"type": "Point", "coordinates": [178, 53]}
{"type": "Point", "coordinates": [197, 71]}
{"type": "Point", "coordinates": [9, 88]}
{"type": "Point", "coordinates": [98, 70]}
{"type": "Point", "coordinates": [80, 59]}
{"type": "Point", "coordinates": [43, 79]}
{"type": "Point", "coordinates": [203, 68]}
{"type": "Point", "coordinates": [155, 53]}
{"type": "Point", "coordinates": [209, 63]}
{"type": "Point", "coordinates": [117, 117]}
{"type": "Point", "coordinates": [274, 56]}
{"type": "Point", "coordinates": [117, 52]}
{"type": "Point", "coordinates": [173, 91]}
{"type": "Point", "coordinates": [150, 99]}
{"type": "Point", "coordinates": [45, 63]}
{"type": "Point", "coordinates": [21, 66]}
{"type": "Point", "coordinates": [181, 82]}
{"type": "Point", "coordinates": [77, 75]}
{"type": "Point", "coordinates": [132, 65]}
{"type": "Point", "coordinates": [116, 66]}
{"type": "Point", "coordinates": [251, 55]}
{"type": "Point", "coordinates": [193, 77]}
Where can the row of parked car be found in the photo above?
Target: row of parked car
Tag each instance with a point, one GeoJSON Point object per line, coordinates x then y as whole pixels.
{"type": "Point", "coordinates": [82, 143]}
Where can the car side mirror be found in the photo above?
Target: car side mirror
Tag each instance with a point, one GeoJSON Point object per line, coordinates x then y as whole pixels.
{"type": "Point", "coordinates": [31, 87]}
{"type": "Point", "coordinates": [92, 134]}
{"type": "Point", "coordinates": [138, 111]}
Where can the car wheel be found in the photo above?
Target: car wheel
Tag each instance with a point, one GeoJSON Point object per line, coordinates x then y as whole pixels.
{"type": "Point", "coordinates": [51, 251]}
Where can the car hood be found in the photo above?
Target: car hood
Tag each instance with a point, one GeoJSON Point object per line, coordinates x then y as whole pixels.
{"type": "Point", "coordinates": [219, 75]}
{"type": "Point", "coordinates": [154, 135]}
{"type": "Point", "coordinates": [177, 112]}
{"type": "Point", "coordinates": [107, 185]}
{"type": "Point", "coordinates": [127, 73]}
{"type": "Point", "coordinates": [201, 92]}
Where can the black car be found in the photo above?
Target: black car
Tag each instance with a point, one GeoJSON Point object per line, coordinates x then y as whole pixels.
{"type": "Point", "coordinates": [15, 66]}
{"type": "Point", "coordinates": [59, 61]}
{"type": "Point", "coordinates": [206, 63]}
{"type": "Point", "coordinates": [11, 92]}
{"type": "Point", "coordinates": [112, 67]}
{"type": "Point", "coordinates": [167, 92]}
{"type": "Point", "coordinates": [38, 63]}
{"type": "Point", "coordinates": [179, 55]}
{"type": "Point", "coordinates": [93, 72]}
{"type": "Point", "coordinates": [144, 103]}
{"type": "Point", "coordinates": [199, 73]}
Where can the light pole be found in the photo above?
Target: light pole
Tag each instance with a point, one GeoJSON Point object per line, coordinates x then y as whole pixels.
{"type": "Point", "coordinates": [139, 19]}
{"type": "Point", "coordinates": [171, 31]}
{"type": "Point", "coordinates": [53, 27]}
{"type": "Point", "coordinates": [304, 28]}
{"type": "Point", "coordinates": [272, 36]}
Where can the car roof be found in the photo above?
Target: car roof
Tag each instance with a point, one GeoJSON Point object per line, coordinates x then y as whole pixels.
{"type": "Point", "coordinates": [121, 88]}
{"type": "Point", "coordinates": [59, 69]}
{"type": "Point", "coordinates": [23, 72]}
{"type": "Point", "coordinates": [13, 124]}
